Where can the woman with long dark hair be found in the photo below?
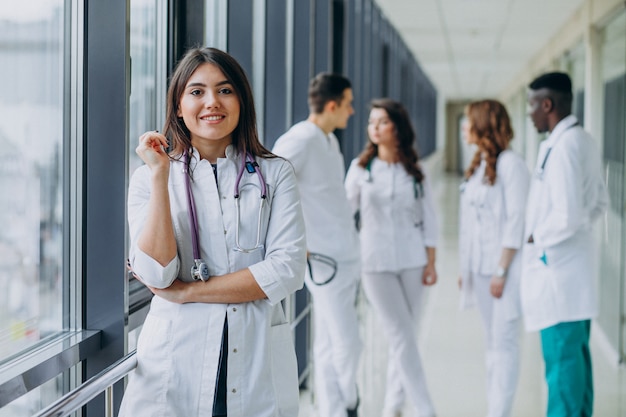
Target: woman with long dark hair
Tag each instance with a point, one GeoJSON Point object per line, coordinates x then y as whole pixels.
{"type": "Point", "coordinates": [217, 234]}
{"type": "Point", "coordinates": [398, 231]}
{"type": "Point", "coordinates": [493, 203]}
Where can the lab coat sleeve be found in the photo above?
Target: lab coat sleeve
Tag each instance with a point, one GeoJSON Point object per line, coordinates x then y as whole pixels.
{"type": "Point", "coordinates": [293, 149]}
{"type": "Point", "coordinates": [566, 209]}
{"type": "Point", "coordinates": [150, 271]}
{"type": "Point", "coordinates": [353, 187]}
{"type": "Point", "coordinates": [431, 225]}
{"type": "Point", "coordinates": [515, 182]}
{"type": "Point", "coordinates": [282, 271]}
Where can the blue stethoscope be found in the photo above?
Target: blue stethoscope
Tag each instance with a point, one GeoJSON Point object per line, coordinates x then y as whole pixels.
{"type": "Point", "coordinates": [200, 270]}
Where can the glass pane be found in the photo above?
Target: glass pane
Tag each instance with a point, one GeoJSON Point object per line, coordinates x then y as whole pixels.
{"type": "Point", "coordinates": [612, 249]}
{"type": "Point", "coordinates": [35, 400]}
{"type": "Point", "coordinates": [143, 78]}
{"type": "Point", "coordinates": [576, 67]}
{"type": "Point", "coordinates": [143, 113]}
{"type": "Point", "coordinates": [31, 177]}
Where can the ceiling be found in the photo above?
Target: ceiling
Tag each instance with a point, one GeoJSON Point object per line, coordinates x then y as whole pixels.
{"type": "Point", "coordinates": [474, 48]}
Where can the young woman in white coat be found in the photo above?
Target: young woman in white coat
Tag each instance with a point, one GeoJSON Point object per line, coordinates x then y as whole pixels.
{"type": "Point", "coordinates": [398, 231]}
{"type": "Point", "coordinates": [217, 234]}
{"type": "Point", "coordinates": [493, 201]}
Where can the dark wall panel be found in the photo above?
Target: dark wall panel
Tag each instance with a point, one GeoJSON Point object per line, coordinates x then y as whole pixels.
{"type": "Point", "coordinates": [104, 142]}
{"type": "Point", "coordinates": [239, 39]}
{"type": "Point", "coordinates": [323, 25]}
{"type": "Point", "coordinates": [275, 72]}
{"type": "Point", "coordinates": [379, 64]}
{"type": "Point", "coordinates": [302, 58]}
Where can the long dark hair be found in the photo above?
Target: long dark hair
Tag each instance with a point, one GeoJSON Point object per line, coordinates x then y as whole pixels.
{"type": "Point", "coordinates": [245, 137]}
{"type": "Point", "coordinates": [491, 125]}
{"type": "Point", "coordinates": [405, 135]}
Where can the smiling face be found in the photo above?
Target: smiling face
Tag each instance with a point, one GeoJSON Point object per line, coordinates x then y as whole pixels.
{"type": "Point", "coordinates": [381, 129]}
{"type": "Point", "coordinates": [210, 107]}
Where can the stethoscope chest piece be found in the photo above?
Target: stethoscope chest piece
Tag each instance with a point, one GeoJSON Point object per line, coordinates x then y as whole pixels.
{"type": "Point", "coordinates": [200, 270]}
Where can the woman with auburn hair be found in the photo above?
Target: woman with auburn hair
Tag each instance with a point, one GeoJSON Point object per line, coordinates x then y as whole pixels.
{"type": "Point", "coordinates": [217, 234]}
{"type": "Point", "coordinates": [398, 229]}
{"type": "Point", "coordinates": [493, 202]}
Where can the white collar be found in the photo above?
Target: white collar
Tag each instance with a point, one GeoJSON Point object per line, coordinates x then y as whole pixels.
{"type": "Point", "coordinates": [561, 127]}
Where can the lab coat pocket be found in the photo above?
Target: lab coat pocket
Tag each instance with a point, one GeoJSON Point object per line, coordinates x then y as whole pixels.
{"type": "Point", "coordinates": [284, 370]}
{"type": "Point", "coordinates": [154, 356]}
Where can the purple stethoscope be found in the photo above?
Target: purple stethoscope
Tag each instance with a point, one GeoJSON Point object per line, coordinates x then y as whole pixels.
{"type": "Point", "coordinates": [200, 270]}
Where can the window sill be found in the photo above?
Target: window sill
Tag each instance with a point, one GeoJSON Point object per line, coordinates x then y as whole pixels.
{"type": "Point", "coordinates": [22, 373]}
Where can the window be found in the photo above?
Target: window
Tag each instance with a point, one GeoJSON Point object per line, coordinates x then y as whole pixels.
{"type": "Point", "coordinates": [34, 132]}
{"type": "Point", "coordinates": [32, 81]}
{"type": "Point", "coordinates": [148, 27]}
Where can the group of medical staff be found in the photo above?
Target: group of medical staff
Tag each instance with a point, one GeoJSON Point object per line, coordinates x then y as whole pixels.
{"type": "Point", "coordinates": [221, 229]}
{"type": "Point", "coordinates": [526, 245]}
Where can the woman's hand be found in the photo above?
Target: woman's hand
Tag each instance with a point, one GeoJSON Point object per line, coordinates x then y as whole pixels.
{"type": "Point", "coordinates": [496, 287]}
{"type": "Point", "coordinates": [151, 150]}
{"type": "Point", "coordinates": [175, 293]}
{"type": "Point", "coordinates": [429, 277]}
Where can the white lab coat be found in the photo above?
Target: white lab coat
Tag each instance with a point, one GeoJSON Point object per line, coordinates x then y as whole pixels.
{"type": "Point", "coordinates": [562, 205]}
{"type": "Point", "coordinates": [320, 170]}
{"type": "Point", "coordinates": [396, 227]}
{"type": "Point", "coordinates": [492, 218]}
{"type": "Point", "coordinates": [179, 346]}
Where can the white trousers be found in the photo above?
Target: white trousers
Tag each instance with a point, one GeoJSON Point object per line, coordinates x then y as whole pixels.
{"type": "Point", "coordinates": [396, 299]}
{"type": "Point", "coordinates": [503, 353]}
{"type": "Point", "coordinates": [336, 342]}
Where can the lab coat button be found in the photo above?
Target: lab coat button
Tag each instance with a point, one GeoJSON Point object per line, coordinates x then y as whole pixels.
{"type": "Point", "coordinates": [235, 350]}
{"type": "Point", "coordinates": [234, 391]}
{"type": "Point", "coordinates": [224, 231]}
{"type": "Point", "coordinates": [234, 308]}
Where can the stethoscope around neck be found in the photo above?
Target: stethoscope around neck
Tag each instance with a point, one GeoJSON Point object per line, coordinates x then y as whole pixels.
{"type": "Point", "coordinates": [200, 270]}
{"type": "Point", "coordinates": [418, 188]}
{"type": "Point", "coordinates": [542, 167]}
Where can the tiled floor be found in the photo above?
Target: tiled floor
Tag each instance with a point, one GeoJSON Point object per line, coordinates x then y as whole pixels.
{"type": "Point", "coordinates": [451, 345]}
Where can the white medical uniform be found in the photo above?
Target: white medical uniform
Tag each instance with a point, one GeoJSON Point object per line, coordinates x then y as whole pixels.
{"type": "Point", "coordinates": [179, 347]}
{"type": "Point", "coordinates": [492, 218]}
{"type": "Point", "coordinates": [320, 170]}
{"type": "Point", "coordinates": [563, 203]}
{"type": "Point", "coordinates": [396, 228]}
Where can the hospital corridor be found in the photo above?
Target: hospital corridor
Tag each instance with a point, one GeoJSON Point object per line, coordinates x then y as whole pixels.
{"type": "Point", "coordinates": [180, 180]}
{"type": "Point", "coordinates": [452, 343]}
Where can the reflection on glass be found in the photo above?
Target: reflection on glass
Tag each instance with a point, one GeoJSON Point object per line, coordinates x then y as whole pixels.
{"type": "Point", "coordinates": [143, 106]}
{"type": "Point", "coordinates": [143, 45]}
{"type": "Point", "coordinates": [31, 182]}
{"type": "Point", "coordinates": [613, 242]}
{"type": "Point", "coordinates": [575, 61]}
{"type": "Point", "coordinates": [35, 400]}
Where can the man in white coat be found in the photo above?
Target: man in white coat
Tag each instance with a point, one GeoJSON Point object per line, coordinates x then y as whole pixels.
{"type": "Point", "coordinates": [567, 194]}
{"type": "Point", "coordinates": [314, 152]}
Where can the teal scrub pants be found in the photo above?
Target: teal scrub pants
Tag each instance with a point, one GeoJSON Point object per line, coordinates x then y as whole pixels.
{"type": "Point", "coordinates": [568, 369]}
